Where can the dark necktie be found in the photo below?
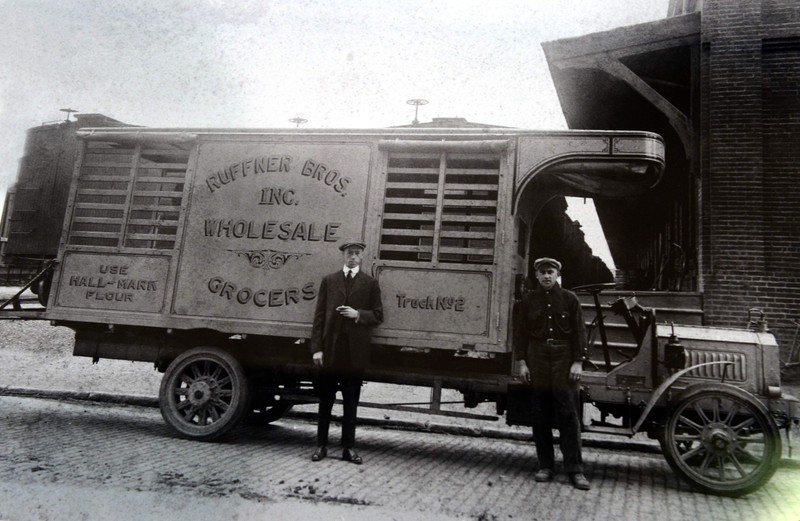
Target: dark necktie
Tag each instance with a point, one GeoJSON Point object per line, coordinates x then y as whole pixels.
{"type": "Point", "coordinates": [349, 279]}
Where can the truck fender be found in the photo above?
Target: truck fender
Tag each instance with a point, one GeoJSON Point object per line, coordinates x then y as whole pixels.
{"type": "Point", "coordinates": [661, 389]}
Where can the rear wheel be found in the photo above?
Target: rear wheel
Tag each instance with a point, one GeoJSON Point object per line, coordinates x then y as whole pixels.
{"type": "Point", "coordinates": [269, 402]}
{"type": "Point", "coordinates": [265, 413]}
{"type": "Point", "coordinates": [721, 440]}
{"type": "Point", "coordinates": [204, 393]}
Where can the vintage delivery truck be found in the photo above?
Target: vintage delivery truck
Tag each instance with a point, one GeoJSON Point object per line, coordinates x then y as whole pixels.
{"type": "Point", "coordinates": [201, 251]}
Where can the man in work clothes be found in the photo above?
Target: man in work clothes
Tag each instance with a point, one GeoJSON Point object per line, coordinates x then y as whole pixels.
{"type": "Point", "coordinates": [348, 307]}
{"type": "Point", "coordinates": [552, 345]}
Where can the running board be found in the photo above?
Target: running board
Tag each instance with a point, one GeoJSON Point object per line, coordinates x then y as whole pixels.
{"type": "Point", "coordinates": [421, 410]}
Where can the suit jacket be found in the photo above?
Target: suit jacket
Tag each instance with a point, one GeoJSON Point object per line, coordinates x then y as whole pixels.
{"type": "Point", "coordinates": [365, 296]}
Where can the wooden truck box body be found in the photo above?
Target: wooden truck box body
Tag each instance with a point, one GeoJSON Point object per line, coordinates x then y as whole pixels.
{"type": "Point", "coordinates": [233, 230]}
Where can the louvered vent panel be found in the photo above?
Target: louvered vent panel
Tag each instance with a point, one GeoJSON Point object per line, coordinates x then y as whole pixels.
{"type": "Point", "coordinates": [409, 209]}
{"type": "Point", "coordinates": [101, 197]}
{"type": "Point", "coordinates": [467, 214]}
{"type": "Point", "coordinates": [128, 197]}
{"type": "Point", "coordinates": [156, 199]}
{"type": "Point", "coordinates": [736, 370]}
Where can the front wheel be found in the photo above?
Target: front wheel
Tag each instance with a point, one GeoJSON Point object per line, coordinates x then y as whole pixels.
{"type": "Point", "coordinates": [721, 440]}
{"type": "Point", "coordinates": [204, 393]}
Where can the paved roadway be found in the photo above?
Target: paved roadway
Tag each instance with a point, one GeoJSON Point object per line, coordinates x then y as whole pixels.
{"type": "Point", "coordinates": [86, 460]}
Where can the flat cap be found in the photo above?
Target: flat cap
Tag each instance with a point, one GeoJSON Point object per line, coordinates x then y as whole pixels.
{"type": "Point", "coordinates": [546, 261]}
{"type": "Point", "coordinates": [352, 242]}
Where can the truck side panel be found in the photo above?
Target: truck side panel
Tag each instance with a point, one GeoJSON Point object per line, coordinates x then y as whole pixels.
{"type": "Point", "coordinates": [119, 247]}
{"type": "Point", "coordinates": [234, 234]}
{"type": "Point", "coordinates": [263, 227]}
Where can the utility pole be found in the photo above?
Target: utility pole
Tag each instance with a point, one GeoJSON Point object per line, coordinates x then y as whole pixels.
{"type": "Point", "coordinates": [416, 102]}
{"type": "Point", "coordinates": [68, 111]}
{"type": "Point", "coordinates": [298, 121]}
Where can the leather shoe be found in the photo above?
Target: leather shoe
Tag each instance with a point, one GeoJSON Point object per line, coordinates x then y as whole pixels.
{"type": "Point", "coordinates": [543, 475]}
{"type": "Point", "coordinates": [579, 481]}
{"type": "Point", "coordinates": [352, 456]}
{"type": "Point", "coordinates": [319, 454]}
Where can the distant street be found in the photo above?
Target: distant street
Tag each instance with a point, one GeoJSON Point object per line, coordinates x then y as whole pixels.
{"type": "Point", "coordinates": [71, 460]}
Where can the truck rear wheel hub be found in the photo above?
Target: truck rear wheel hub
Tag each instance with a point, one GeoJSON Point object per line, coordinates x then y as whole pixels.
{"type": "Point", "coordinates": [199, 393]}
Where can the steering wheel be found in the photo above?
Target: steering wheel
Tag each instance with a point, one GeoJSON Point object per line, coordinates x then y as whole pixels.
{"type": "Point", "coordinates": [595, 288]}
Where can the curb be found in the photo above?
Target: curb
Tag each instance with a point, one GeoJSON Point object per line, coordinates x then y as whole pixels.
{"type": "Point", "coordinates": [81, 396]}
{"type": "Point", "coordinates": [436, 428]}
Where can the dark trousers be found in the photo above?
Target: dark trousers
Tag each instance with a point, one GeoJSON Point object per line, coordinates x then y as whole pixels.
{"type": "Point", "coordinates": [341, 376]}
{"type": "Point", "coordinates": [350, 384]}
{"type": "Point", "coordinates": [555, 398]}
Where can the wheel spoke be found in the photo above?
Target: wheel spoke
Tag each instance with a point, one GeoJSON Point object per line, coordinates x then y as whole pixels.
{"type": "Point", "coordinates": [704, 465]}
{"type": "Point", "coordinates": [738, 465]}
{"type": "Point", "coordinates": [701, 413]}
{"type": "Point", "coordinates": [694, 452]}
{"type": "Point", "coordinates": [745, 424]}
{"type": "Point", "coordinates": [190, 413]}
{"type": "Point", "coordinates": [224, 382]}
{"type": "Point", "coordinates": [721, 468]}
{"type": "Point", "coordinates": [754, 441]}
{"type": "Point", "coordinates": [746, 456]}
{"type": "Point", "coordinates": [690, 423]}
{"type": "Point", "coordinates": [715, 407]}
{"type": "Point", "coordinates": [223, 404]}
{"type": "Point", "coordinates": [688, 437]}
{"type": "Point", "coordinates": [731, 414]}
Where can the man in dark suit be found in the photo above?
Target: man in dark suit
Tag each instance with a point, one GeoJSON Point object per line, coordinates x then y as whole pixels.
{"type": "Point", "coordinates": [348, 307]}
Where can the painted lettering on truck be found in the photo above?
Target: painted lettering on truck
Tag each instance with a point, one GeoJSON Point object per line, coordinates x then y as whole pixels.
{"type": "Point", "coordinates": [284, 231]}
{"type": "Point", "coordinates": [250, 166]}
{"type": "Point", "coordinates": [261, 297]}
{"type": "Point", "coordinates": [312, 169]}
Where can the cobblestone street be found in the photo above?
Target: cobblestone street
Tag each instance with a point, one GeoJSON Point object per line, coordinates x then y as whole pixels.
{"type": "Point", "coordinates": [406, 475]}
{"type": "Point", "coordinates": [65, 460]}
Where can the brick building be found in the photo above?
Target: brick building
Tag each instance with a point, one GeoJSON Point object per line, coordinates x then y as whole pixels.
{"type": "Point", "coordinates": [720, 81]}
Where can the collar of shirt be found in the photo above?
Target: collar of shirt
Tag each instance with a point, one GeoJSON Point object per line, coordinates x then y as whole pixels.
{"type": "Point", "coordinates": [354, 270]}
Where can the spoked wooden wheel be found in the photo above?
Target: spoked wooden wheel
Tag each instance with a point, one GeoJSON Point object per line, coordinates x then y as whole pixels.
{"type": "Point", "coordinates": [721, 440]}
{"type": "Point", "coordinates": [263, 413]}
{"type": "Point", "coordinates": [204, 393]}
{"type": "Point", "coordinates": [267, 402]}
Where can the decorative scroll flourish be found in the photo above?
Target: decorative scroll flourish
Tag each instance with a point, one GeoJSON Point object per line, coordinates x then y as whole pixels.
{"type": "Point", "coordinates": [268, 259]}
